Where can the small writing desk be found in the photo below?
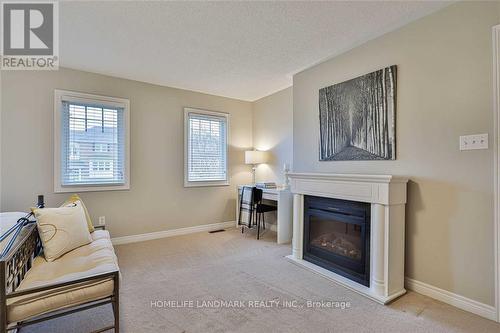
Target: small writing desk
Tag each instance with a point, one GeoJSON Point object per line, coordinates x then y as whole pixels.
{"type": "Point", "coordinates": [284, 200]}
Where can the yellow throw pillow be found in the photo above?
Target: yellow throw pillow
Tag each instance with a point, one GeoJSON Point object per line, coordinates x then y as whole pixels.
{"type": "Point", "coordinates": [74, 198]}
{"type": "Point", "coordinates": [61, 230]}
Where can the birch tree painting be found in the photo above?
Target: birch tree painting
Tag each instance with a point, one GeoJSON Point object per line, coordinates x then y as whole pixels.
{"type": "Point", "coordinates": [357, 118]}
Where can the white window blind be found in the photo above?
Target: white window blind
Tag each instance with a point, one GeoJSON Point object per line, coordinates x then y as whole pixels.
{"type": "Point", "coordinates": [92, 144]}
{"type": "Point", "coordinates": [206, 147]}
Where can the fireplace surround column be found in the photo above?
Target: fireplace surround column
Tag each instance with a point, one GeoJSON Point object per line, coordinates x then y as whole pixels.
{"type": "Point", "coordinates": [378, 248]}
{"type": "Point", "coordinates": [298, 226]}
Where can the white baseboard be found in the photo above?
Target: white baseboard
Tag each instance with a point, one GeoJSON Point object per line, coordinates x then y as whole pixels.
{"type": "Point", "coordinates": [171, 233]}
{"type": "Point", "coordinates": [461, 302]}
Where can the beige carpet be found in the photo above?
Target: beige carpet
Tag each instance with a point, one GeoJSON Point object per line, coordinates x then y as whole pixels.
{"type": "Point", "coordinates": [234, 267]}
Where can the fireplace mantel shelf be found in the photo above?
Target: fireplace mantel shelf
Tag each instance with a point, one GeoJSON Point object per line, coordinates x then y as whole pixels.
{"type": "Point", "coordinates": [383, 179]}
{"type": "Point", "coordinates": [379, 189]}
{"type": "Point", "coordinates": [387, 196]}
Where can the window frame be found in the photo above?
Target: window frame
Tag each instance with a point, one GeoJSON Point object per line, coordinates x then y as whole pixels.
{"type": "Point", "coordinates": [187, 182]}
{"type": "Point", "coordinates": [78, 97]}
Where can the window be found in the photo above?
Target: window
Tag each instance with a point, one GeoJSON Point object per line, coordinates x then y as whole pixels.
{"type": "Point", "coordinates": [101, 147]}
{"type": "Point", "coordinates": [74, 151]}
{"type": "Point", "coordinates": [205, 144]}
{"type": "Point", "coordinates": [91, 147]}
{"type": "Point", "coordinates": [101, 169]}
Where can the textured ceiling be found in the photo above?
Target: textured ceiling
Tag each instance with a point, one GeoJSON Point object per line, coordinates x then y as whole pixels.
{"type": "Point", "coordinates": [244, 50]}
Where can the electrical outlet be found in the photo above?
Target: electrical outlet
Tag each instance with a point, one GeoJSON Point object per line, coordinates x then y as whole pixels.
{"type": "Point", "coordinates": [475, 141]}
{"type": "Point", "coordinates": [102, 220]}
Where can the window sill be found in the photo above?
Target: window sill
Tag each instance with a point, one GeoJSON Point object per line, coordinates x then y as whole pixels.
{"type": "Point", "coordinates": [90, 188]}
{"type": "Point", "coordinates": [206, 184]}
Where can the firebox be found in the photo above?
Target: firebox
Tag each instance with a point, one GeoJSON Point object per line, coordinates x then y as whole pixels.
{"type": "Point", "coordinates": [337, 236]}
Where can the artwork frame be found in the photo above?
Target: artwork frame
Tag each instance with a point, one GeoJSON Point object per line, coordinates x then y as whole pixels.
{"type": "Point", "coordinates": [358, 118]}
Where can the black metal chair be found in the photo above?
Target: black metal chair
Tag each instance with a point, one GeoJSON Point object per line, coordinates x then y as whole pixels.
{"type": "Point", "coordinates": [261, 209]}
{"type": "Point", "coordinates": [252, 210]}
{"type": "Point", "coordinates": [247, 207]}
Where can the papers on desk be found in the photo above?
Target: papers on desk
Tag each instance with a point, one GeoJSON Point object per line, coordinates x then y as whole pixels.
{"type": "Point", "coordinates": [268, 185]}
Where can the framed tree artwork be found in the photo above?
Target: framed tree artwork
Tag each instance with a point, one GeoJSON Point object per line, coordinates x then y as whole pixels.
{"type": "Point", "coordinates": [357, 118]}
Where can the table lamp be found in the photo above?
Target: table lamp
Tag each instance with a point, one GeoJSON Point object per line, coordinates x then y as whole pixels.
{"type": "Point", "coordinates": [255, 157]}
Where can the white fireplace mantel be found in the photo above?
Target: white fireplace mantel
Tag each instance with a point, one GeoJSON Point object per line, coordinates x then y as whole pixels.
{"type": "Point", "coordinates": [387, 196]}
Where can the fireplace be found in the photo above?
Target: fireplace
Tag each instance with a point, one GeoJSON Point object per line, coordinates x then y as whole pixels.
{"type": "Point", "coordinates": [372, 209]}
{"type": "Point", "coordinates": [337, 236]}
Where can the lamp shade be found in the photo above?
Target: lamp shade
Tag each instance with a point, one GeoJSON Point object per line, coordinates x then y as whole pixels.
{"type": "Point", "coordinates": [255, 157]}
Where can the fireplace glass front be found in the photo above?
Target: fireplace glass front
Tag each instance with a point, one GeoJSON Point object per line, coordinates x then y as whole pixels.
{"type": "Point", "coordinates": [337, 236]}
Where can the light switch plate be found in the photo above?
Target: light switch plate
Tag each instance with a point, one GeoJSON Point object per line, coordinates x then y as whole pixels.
{"type": "Point", "coordinates": [473, 142]}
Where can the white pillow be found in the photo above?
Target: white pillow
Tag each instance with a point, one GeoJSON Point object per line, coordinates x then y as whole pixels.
{"type": "Point", "coordinates": [61, 230]}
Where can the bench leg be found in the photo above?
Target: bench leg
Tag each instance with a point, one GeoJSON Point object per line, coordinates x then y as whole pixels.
{"type": "Point", "coordinates": [3, 319]}
{"type": "Point", "coordinates": [116, 302]}
{"type": "Point", "coordinates": [3, 299]}
{"type": "Point", "coordinates": [3, 324]}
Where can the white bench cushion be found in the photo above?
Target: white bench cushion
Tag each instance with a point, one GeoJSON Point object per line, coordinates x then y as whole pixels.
{"type": "Point", "coordinates": [94, 258]}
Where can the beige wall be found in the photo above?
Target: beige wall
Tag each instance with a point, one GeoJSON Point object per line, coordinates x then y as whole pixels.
{"type": "Point", "coordinates": [157, 199]}
{"type": "Point", "coordinates": [444, 91]}
{"type": "Point", "coordinates": [273, 132]}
